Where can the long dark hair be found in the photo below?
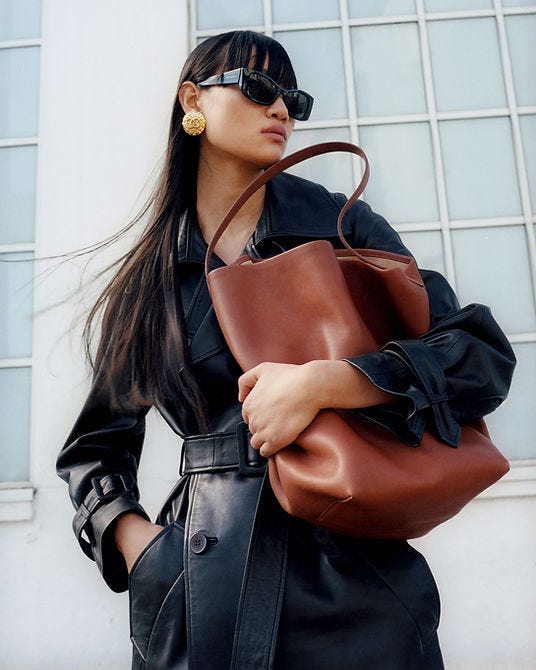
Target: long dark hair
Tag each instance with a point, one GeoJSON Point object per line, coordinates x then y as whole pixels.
{"type": "Point", "coordinates": [142, 355]}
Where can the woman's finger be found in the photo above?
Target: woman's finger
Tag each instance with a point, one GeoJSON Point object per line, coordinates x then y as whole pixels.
{"type": "Point", "coordinates": [246, 382]}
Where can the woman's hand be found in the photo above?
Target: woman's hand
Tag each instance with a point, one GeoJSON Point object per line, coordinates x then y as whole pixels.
{"type": "Point", "coordinates": [281, 400]}
{"type": "Point", "coordinates": [132, 534]}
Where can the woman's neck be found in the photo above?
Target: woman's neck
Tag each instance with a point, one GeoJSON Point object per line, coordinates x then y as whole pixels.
{"type": "Point", "coordinates": [218, 186]}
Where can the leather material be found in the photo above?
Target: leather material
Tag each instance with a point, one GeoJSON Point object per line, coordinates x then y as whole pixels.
{"type": "Point", "coordinates": [356, 479]}
{"type": "Point", "coordinates": [312, 302]}
{"type": "Point", "coordinates": [156, 595]}
{"type": "Point", "coordinates": [223, 507]}
{"type": "Point", "coordinates": [221, 452]}
{"type": "Point", "coordinates": [331, 589]}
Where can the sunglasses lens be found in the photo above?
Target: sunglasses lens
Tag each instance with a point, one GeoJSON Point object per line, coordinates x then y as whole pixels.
{"type": "Point", "coordinates": [298, 105]}
{"type": "Point", "coordinates": [259, 88]}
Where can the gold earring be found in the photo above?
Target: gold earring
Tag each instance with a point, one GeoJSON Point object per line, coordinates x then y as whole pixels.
{"type": "Point", "coordinates": [194, 123]}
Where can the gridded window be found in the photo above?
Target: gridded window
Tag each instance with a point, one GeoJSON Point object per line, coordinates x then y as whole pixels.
{"type": "Point", "coordinates": [20, 30]}
{"type": "Point", "coordinates": [441, 94]}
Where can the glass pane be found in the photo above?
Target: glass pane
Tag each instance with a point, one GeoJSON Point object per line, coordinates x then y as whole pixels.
{"type": "Point", "coordinates": [480, 168]}
{"type": "Point", "coordinates": [304, 10]}
{"type": "Point", "coordinates": [427, 247]}
{"type": "Point", "coordinates": [19, 91]}
{"type": "Point", "coordinates": [402, 183]}
{"type": "Point", "coordinates": [18, 166]}
{"type": "Point", "coordinates": [15, 424]}
{"type": "Point", "coordinates": [318, 62]}
{"type": "Point", "coordinates": [466, 64]}
{"type": "Point", "coordinates": [387, 66]}
{"type": "Point", "coordinates": [334, 171]}
{"type": "Point", "coordinates": [212, 14]}
{"type": "Point", "coordinates": [518, 3]}
{"type": "Point", "coordinates": [20, 19]}
{"type": "Point", "coordinates": [16, 274]}
{"type": "Point", "coordinates": [364, 8]}
{"type": "Point", "coordinates": [492, 267]}
{"type": "Point", "coordinates": [521, 31]}
{"type": "Point", "coordinates": [513, 425]}
{"type": "Point", "coordinates": [528, 133]}
{"type": "Point", "coordinates": [456, 5]}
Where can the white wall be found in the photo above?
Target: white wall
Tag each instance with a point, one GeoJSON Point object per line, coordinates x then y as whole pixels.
{"type": "Point", "coordinates": [484, 561]}
{"type": "Point", "coordinates": [109, 74]}
{"type": "Point", "coordinates": [109, 71]}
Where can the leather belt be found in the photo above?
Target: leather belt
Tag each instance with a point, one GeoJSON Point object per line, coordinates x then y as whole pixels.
{"type": "Point", "coordinates": [218, 452]}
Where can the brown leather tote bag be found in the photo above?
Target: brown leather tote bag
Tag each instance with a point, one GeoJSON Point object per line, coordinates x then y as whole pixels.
{"type": "Point", "coordinates": [314, 302]}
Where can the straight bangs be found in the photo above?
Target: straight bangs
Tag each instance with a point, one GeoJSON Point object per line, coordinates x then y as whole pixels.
{"type": "Point", "coordinates": [260, 52]}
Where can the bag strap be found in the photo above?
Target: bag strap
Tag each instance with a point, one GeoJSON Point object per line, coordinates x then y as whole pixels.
{"type": "Point", "coordinates": [284, 164]}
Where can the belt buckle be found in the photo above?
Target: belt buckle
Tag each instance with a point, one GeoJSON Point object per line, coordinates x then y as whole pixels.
{"type": "Point", "coordinates": [250, 462]}
{"type": "Point", "coordinates": [117, 485]}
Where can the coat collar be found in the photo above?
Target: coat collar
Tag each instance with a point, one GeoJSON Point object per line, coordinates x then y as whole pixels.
{"type": "Point", "coordinates": [294, 207]}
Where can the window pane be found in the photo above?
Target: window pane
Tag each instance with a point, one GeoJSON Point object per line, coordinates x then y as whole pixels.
{"type": "Point", "coordinates": [480, 168]}
{"type": "Point", "coordinates": [19, 91]}
{"type": "Point", "coordinates": [521, 31]}
{"type": "Point", "coordinates": [317, 59]}
{"type": "Point", "coordinates": [456, 5]}
{"type": "Point", "coordinates": [363, 8]}
{"type": "Point", "coordinates": [387, 67]}
{"type": "Point", "coordinates": [528, 133]}
{"type": "Point", "coordinates": [20, 19]}
{"type": "Point", "coordinates": [16, 272]}
{"type": "Point", "coordinates": [492, 267]}
{"type": "Point", "coordinates": [466, 64]}
{"type": "Point", "coordinates": [212, 14]}
{"type": "Point", "coordinates": [427, 247]}
{"type": "Point", "coordinates": [304, 10]}
{"type": "Point", "coordinates": [513, 425]}
{"type": "Point", "coordinates": [15, 424]}
{"type": "Point", "coordinates": [334, 171]}
{"type": "Point", "coordinates": [402, 184]}
{"type": "Point", "coordinates": [518, 3]}
{"type": "Point", "coordinates": [18, 167]}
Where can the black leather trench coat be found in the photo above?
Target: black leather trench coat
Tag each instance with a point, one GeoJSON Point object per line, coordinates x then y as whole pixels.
{"type": "Point", "coordinates": [232, 581]}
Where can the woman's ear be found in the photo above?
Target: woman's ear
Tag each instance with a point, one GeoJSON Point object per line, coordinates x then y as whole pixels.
{"type": "Point", "coordinates": [189, 96]}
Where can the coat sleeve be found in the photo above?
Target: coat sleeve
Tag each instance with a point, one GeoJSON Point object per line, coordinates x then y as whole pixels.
{"type": "Point", "coordinates": [99, 461]}
{"type": "Point", "coordinates": [457, 372]}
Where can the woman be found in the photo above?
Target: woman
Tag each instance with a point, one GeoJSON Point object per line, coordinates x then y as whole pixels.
{"type": "Point", "coordinates": [225, 578]}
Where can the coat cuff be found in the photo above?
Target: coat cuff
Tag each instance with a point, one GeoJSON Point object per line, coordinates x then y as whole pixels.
{"type": "Point", "coordinates": [110, 497]}
{"type": "Point", "coordinates": [407, 369]}
{"type": "Point", "coordinates": [406, 418]}
{"type": "Point", "coordinates": [421, 362]}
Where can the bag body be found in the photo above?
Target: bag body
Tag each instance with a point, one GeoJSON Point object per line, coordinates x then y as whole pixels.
{"type": "Point", "coordinates": [312, 302]}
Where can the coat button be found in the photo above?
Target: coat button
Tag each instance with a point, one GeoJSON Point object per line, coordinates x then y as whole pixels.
{"type": "Point", "coordinates": [199, 543]}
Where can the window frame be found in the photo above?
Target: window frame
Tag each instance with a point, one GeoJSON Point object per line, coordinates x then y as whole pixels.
{"type": "Point", "coordinates": [16, 496]}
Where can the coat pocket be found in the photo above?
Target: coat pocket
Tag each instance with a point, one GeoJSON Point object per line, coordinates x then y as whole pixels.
{"type": "Point", "coordinates": [156, 592]}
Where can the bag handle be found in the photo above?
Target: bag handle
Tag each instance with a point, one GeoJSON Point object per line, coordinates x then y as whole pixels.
{"type": "Point", "coordinates": [280, 166]}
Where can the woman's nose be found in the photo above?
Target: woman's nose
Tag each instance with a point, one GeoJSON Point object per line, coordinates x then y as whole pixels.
{"type": "Point", "coordinates": [278, 109]}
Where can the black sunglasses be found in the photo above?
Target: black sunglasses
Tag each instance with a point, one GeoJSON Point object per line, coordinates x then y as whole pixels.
{"type": "Point", "coordinates": [262, 89]}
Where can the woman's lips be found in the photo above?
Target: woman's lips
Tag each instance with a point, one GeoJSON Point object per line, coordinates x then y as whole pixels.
{"type": "Point", "coordinates": [277, 133]}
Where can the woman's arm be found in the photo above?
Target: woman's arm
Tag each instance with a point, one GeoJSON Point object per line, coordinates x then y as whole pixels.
{"type": "Point", "coordinates": [280, 400]}
{"type": "Point", "coordinates": [457, 372]}
{"type": "Point", "coordinates": [99, 461]}
{"type": "Point", "coordinates": [132, 533]}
